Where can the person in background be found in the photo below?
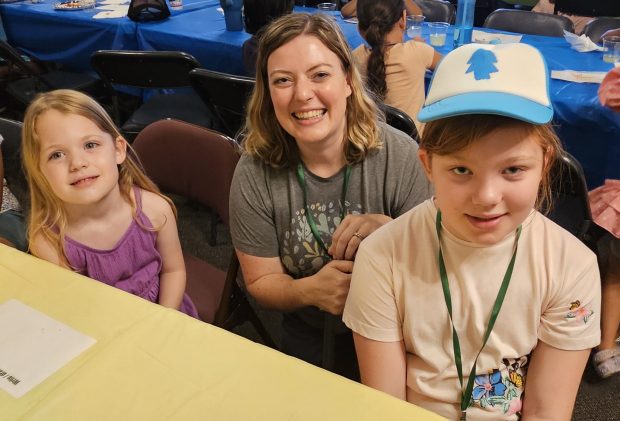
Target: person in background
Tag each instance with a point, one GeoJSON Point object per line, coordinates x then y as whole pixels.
{"type": "Point", "coordinates": [93, 210]}
{"type": "Point", "coordinates": [319, 174]}
{"type": "Point", "coordinates": [605, 204]}
{"type": "Point", "coordinates": [548, 6]}
{"type": "Point", "coordinates": [474, 305]}
{"type": "Point", "coordinates": [394, 70]}
{"type": "Point", "coordinates": [12, 225]}
{"type": "Point", "coordinates": [349, 10]}
{"type": "Point", "coordinates": [256, 15]}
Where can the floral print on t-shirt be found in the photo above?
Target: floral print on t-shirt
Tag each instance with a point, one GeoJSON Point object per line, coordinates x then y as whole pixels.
{"type": "Point", "coordinates": [501, 389]}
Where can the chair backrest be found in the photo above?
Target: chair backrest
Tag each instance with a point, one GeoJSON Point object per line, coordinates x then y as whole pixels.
{"type": "Point", "coordinates": [11, 146]}
{"type": "Point", "coordinates": [527, 22]}
{"type": "Point", "coordinates": [437, 10]}
{"type": "Point", "coordinates": [190, 161]}
{"type": "Point", "coordinates": [400, 120]}
{"type": "Point", "coordinates": [144, 69]}
{"type": "Point", "coordinates": [14, 57]}
{"type": "Point", "coordinates": [570, 206]}
{"type": "Point", "coordinates": [588, 7]}
{"type": "Point", "coordinates": [598, 26]}
{"type": "Point", "coordinates": [226, 96]}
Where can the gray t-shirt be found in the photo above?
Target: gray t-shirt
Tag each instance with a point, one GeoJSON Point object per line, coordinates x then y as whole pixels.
{"type": "Point", "coordinates": [267, 215]}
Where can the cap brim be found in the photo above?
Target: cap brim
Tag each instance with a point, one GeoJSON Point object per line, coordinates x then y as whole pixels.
{"type": "Point", "coordinates": [499, 103]}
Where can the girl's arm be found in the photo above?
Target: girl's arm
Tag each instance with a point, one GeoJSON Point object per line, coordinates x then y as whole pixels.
{"type": "Point", "coordinates": [43, 249]}
{"type": "Point", "coordinates": [556, 370]}
{"type": "Point", "coordinates": [172, 276]}
{"type": "Point", "coordinates": [383, 365]}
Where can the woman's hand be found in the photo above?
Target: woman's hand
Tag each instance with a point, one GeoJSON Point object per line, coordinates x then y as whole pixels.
{"type": "Point", "coordinates": [351, 231]}
{"type": "Point", "coordinates": [328, 288]}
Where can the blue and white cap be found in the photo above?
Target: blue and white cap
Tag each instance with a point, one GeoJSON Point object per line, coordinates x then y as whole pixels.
{"type": "Point", "coordinates": [505, 79]}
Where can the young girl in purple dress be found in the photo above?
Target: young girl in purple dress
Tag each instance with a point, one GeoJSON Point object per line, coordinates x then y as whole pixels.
{"type": "Point", "coordinates": [93, 210]}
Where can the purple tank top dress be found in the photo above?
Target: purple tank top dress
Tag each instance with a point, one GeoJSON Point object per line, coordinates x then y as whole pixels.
{"type": "Point", "coordinates": [133, 265]}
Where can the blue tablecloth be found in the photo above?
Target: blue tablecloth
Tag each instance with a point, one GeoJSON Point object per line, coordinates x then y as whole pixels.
{"type": "Point", "coordinates": [66, 37]}
{"type": "Point", "coordinates": [70, 37]}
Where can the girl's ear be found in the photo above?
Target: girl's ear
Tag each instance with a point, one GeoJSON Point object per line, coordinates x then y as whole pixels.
{"type": "Point", "coordinates": [120, 147]}
{"type": "Point", "coordinates": [402, 22]}
{"type": "Point", "coordinates": [425, 159]}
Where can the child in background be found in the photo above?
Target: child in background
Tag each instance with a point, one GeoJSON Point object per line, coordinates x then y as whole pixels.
{"type": "Point", "coordinates": [349, 10]}
{"type": "Point", "coordinates": [474, 304]}
{"type": "Point", "coordinates": [605, 204]}
{"type": "Point", "coordinates": [12, 227]}
{"type": "Point", "coordinates": [394, 70]}
{"type": "Point", "coordinates": [256, 15]}
{"type": "Point", "coordinates": [92, 208]}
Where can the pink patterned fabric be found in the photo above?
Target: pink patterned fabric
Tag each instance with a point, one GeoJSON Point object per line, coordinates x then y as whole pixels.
{"type": "Point", "coordinates": [609, 91]}
{"type": "Point", "coordinates": [133, 265]}
{"type": "Point", "coordinates": [605, 205]}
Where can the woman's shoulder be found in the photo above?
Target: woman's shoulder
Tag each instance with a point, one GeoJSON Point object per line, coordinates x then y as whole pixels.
{"type": "Point", "coordinates": [393, 138]}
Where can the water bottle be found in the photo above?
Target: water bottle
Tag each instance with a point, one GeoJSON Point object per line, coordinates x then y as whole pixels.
{"type": "Point", "coordinates": [464, 22]}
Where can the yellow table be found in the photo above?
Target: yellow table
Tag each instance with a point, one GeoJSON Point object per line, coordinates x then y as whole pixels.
{"type": "Point", "coordinates": [152, 363]}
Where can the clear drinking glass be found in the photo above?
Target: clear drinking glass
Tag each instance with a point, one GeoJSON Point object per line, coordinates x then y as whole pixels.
{"type": "Point", "coordinates": [611, 49]}
{"type": "Point", "coordinates": [414, 26]}
{"type": "Point", "coordinates": [437, 33]}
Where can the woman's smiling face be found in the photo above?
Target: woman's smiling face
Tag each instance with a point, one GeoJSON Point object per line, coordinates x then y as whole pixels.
{"type": "Point", "coordinates": [309, 91]}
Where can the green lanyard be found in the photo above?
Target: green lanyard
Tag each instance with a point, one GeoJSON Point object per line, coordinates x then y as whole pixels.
{"type": "Point", "coordinates": [301, 177]}
{"type": "Point", "coordinates": [466, 395]}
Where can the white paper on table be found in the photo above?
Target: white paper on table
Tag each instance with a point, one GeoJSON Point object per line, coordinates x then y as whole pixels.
{"type": "Point", "coordinates": [581, 43]}
{"type": "Point", "coordinates": [578, 76]}
{"type": "Point", "coordinates": [33, 346]}
{"type": "Point", "coordinates": [114, 2]}
{"type": "Point", "coordinates": [493, 38]}
{"type": "Point", "coordinates": [112, 11]}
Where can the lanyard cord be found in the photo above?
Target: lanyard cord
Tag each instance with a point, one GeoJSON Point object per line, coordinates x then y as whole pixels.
{"type": "Point", "coordinates": [301, 177]}
{"type": "Point", "coordinates": [466, 395]}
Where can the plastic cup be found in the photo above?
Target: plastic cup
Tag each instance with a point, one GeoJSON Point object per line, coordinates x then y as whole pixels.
{"type": "Point", "coordinates": [328, 8]}
{"type": "Point", "coordinates": [414, 26]}
{"type": "Point", "coordinates": [611, 49]}
{"type": "Point", "coordinates": [437, 33]}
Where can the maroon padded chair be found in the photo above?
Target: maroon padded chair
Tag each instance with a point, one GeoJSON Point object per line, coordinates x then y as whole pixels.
{"type": "Point", "coordinates": [198, 164]}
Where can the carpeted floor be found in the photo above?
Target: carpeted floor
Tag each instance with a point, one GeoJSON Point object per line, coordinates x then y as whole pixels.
{"type": "Point", "coordinates": [598, 400]}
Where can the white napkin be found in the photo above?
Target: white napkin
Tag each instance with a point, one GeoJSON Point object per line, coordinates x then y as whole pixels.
{"type": "Point", "coordinates": [582, 43]}
{"type": "Point", "coordinates": [482, 37]}
{"type": "Point", "coordinates": [112, 11]}
{"type": "Point", "coordinates": [578, 76]}
{"type": "Point", "coordinates": [33, 346]}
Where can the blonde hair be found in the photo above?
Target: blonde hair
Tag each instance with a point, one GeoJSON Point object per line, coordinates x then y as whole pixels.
{"type": "Point", "coordinates": [448, 135]}
{"type": "Point", "coordinates": [47, 215]}
{"type": "Point", "coordinates": [264, 136]}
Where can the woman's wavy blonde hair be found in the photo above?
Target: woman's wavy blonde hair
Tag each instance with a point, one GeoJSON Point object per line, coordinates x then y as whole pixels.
{"type": "Point", "coordinates": [264, 136]}
{"type": "Point", "coordinates": [47, 215]}
{"type": "Point", "coordinates": [448, 135]}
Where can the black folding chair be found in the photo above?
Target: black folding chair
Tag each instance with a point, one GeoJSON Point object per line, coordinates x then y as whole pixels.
{"type": "Point", "coordinates": [598, 26]}
{"type": "Point", "coordinates": [151, 70]}
{"type": "Point", "coordinates": [226, 96]}
{"type": "Point", "coordinates": [31, 83]}
{"type": "Point", "coordinates": [400, 120]}
{"type": "Point", "coordinates": [527, 22]}
{"type": "Point", "coordinates": [437, 10]}
{"type": "Point", "coordinates": [570, 207]}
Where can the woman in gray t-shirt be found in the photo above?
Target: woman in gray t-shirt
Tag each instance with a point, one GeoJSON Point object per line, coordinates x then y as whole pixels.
{"type": "Point", "coordinates": [319, 174]}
